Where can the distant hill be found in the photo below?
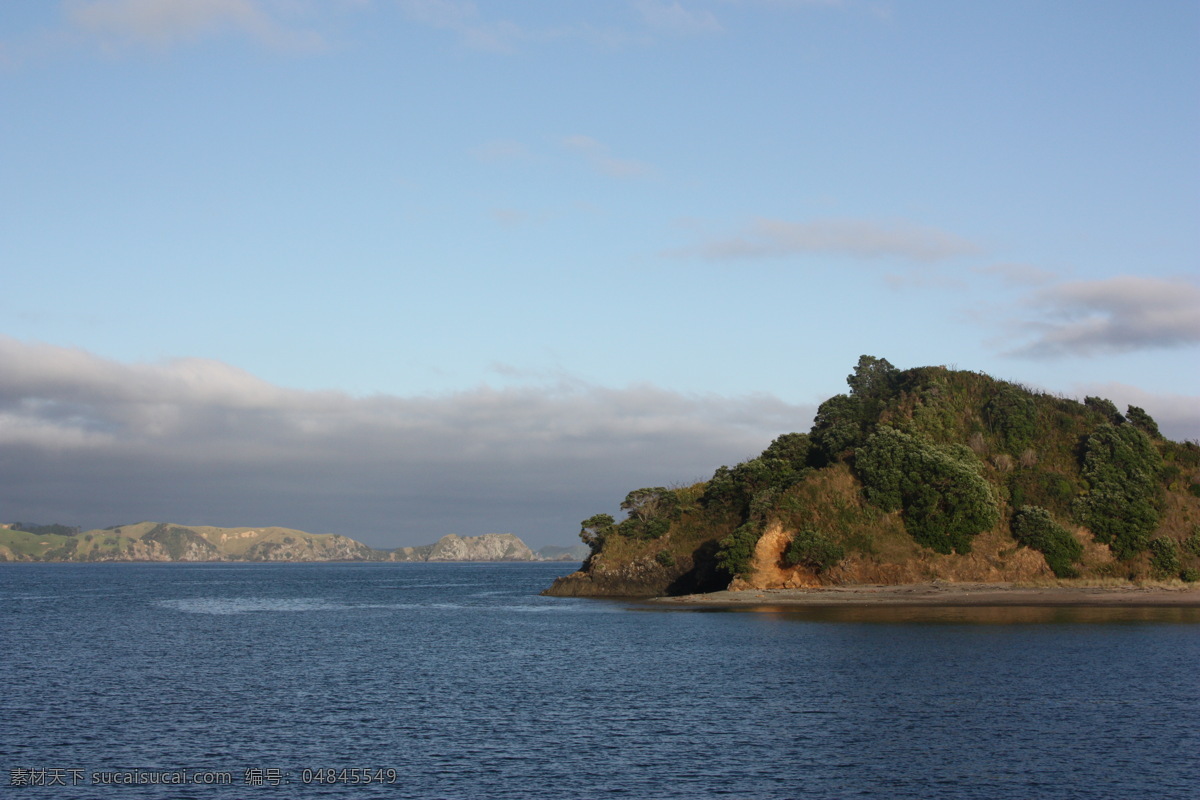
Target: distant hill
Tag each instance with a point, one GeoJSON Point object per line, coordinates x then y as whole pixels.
{"type": "Point", "coordinates": [918, 475]}
{"type": "Point", "coordinates": [160, 541]}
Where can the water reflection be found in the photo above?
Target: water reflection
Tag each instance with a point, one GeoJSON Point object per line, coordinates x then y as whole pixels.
{"type": "Point", "coordinates": [970, 615]}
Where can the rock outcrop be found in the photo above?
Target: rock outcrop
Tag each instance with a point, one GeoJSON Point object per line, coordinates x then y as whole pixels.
{"type": "Point", "coordinates": [488, 547]}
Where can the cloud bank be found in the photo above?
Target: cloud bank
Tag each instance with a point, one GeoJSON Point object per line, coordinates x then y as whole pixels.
{"type": "Point", "coordinates": [1115, 315]}
{"type": "Point", "coordinates": [85, 440]}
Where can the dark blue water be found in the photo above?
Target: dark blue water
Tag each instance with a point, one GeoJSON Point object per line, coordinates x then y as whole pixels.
{"type": "Point", "coordinates": [459, 681]}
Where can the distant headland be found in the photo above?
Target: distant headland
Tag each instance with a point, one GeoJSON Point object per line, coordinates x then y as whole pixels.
{"type": "Point", "coordinates": [162, 541]}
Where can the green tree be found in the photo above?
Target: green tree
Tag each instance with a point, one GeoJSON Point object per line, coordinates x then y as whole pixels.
{"type": "Point", "coordinates": [843, 422]}
{"type": "Point", "coordinates": [944, 499]}
{"type": "Point", "coordinates": [736, 550]}
{"type": "Point", "coordinates": [1011, 414]}
{"type": "Point", "coordinates": [1141, 420]}
{"type": "Point", "coordinates": [1121, 468]}
{"type": "Point", "coordinates": [595, 529]}
{"type": "Point", "coordinates": [1106, 408]}
{"type": "Point", "coordinates": [650, 503]}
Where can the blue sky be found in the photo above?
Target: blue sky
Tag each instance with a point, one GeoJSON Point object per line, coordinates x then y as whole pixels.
{"type": "Point", "coordinates": [597, 245]}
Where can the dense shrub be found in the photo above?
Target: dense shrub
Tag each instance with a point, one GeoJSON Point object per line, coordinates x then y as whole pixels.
{"type": "Point", "coordinates": [1121, 468]}
{"type": "Point", "coordinates": [1011, 414]}
{"type": "Point", "coordinates": [651, 503]}
{"type": "Point", "coordinates": [737, 549]}
{"type": "Point", "coordinates": [53, 529]}
{"type": "Point", "coordinates": [595, 529]}
{"type": "Point", "coordinates": [1106, 408]}
{"type": "Point", "coordinates": [748, 488]}
{"type": "Point", "coordinates": [1033, 527]}
{"type": "Point", "coordinates": [1192, 543]}
{"type": "Point", "coordinates": [814, 550]}
{"type": "Point", "coordinates": [664, 558]}
{"type": "Point", "coordinates": [837, 427]}
{"type": "Point", "coordinates": [1190, 575]}
{"type": "Point", "coordinates": [1164, 557]}
{"type": "Point", "coordinates": [843, 422]}
{"type": "Point", "coordinates": [1035, 487]}
{"type": "Point", "coordinates": [944, 498]}
{"type": "Point", "coordinates": [1144, 422]}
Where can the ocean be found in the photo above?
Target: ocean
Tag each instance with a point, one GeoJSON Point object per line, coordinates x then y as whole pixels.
{"type": "Point", "coordinates": [220, 681]}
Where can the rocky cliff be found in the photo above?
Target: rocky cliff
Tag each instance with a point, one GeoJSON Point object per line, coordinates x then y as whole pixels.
{"type": "Point", "coordinates": [488, 547]}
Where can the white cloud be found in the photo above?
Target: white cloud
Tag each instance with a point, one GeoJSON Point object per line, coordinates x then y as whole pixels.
{"type": "Point", "coordinates": [1114, 315]}
{"type": "Point", "coordinates": [773, 238]}
{"type": "Point", "coordinates": [603, 161]}
{"type": "Point", "coordinates": [159, 23]}
{"type": "Point", "coordinates": [92, 441]}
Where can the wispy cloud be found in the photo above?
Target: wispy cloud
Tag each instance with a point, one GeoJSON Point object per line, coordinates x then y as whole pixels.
{"type": "Point", "coordinates": [672, 17]}
{"type": "Point", "coordinates": [501, 150]}
{"type": "Point", "coordinates": [774, 238]}
{"type": "Point", "coordinates": [464, 18]}
{"type": "Point", "coordinates": [92, 441]}
{"type": "Point", "coordinates": [598, 155]}
{"type": "Point", "coordinates": [1114, 315]}
{"type": "Point", "coordinates": [155, 23]}
{"type": "Point", "coordinates": [508, 217]}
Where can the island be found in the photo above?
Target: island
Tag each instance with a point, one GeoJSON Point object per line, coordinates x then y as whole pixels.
{"type": "Point", "coordinates": [930, 478]}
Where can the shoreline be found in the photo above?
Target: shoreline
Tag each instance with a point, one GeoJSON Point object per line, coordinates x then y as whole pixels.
{"type": "Point", "coordinates": [939, 594]}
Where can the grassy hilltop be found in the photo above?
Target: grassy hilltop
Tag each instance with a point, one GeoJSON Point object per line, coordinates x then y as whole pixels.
{"type": "Point", "coordinates": [918, 475]}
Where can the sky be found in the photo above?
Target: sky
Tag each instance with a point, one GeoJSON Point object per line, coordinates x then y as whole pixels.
{"type": "Point", "coordinates": [404, 268]}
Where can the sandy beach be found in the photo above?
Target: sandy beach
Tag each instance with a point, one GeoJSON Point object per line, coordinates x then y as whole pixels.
{"type": "Point", "coordinates": [940, 594]}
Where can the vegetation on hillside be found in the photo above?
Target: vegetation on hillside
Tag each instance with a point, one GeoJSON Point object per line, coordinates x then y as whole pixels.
{"type": "Point", "coordinates": [909, 471]}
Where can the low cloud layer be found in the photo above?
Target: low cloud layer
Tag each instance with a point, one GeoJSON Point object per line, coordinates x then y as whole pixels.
{"type": "Point", "coordinates": [1115, 315]}
{"type": "Point", "coordinates": [85, 440]}
{"type": "Point", "coordinates": [773, 238]}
